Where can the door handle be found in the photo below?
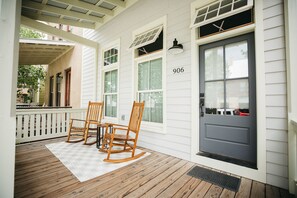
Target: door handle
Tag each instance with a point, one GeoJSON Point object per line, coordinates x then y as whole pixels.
{"type": "Point", "coordinates": [201, 105]}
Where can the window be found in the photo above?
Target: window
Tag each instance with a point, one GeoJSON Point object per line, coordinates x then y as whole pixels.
{"type": "Point", "coordinates": [110, 80]}
{"type": "Point", "coordinates": [110, 93]}
{"type": "Point", "coordinates": [58, 89]}
{"type": "Point", "coordinates": [110, 56]}
{"type": "Point", "coordinates": [146, 38]}
{"type": "Point", "coordinates": [150, 89]}
{"type": "Point", "coordinates": [219, 10]}
{"type": "Point", "coordinates": [150, 72]}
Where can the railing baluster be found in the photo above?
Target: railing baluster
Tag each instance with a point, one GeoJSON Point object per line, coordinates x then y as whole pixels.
{"type": "Point", "coordinates": [43, 124]}
{"type": "Point", "coordinates": [49, 124]}
{"type": "Point", "coordinates": [54, 123]}
{"type": "Point", "coordinates": [19, 128]}
{"type": "Point", "coordinates": [58, 123]}
{"type": "Point", "coordinates": [32, 126]}
{"type": "Point", "coordinates": [26, 126]}
{"type": "Point", "coordinates": [63, 122]}
{"type": "Point", "coordinates": [37, 128]}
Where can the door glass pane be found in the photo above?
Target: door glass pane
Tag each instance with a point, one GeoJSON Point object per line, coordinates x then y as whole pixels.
{"type": "Point", "coordinates": [237, 96]}
{"type": "Point", "coordinates": [156, 74]}
{"type": "Point", "coordinates": [153, 111]}
{"type": "Point", "coordinates": [214, 64]}
{"type": "Point", "coordinates": [237, 60]}
{"type": "Point", "coordinates": [143, 71]}
{"type": "Point", "coordinates": [214, 97]}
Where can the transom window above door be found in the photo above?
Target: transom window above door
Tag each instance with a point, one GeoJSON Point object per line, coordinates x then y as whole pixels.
{"type": "Point", "coordinates": [219, 10]}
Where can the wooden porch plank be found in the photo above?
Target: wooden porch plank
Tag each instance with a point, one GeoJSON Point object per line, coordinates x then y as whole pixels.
{"type": "Point", "coordinates": [201, 190]}
{"type": "Point", "coordinates": [258, 190]}
{"type": "Point", "coordinates": [40, 174]}
{"type": "Point", "coordinates": [169, 180]}
{"type": "Point", "coordinates": [272, 191]}
{"type": "Point", "coordinates": [178, 184]}
{"type": "Point", "coordinates": [144, 187]}
{"type": "Point", "coordinates": [227, 194]}
{"type": "Point", "coordinates": [188, 188]}
{"type": "Point", "coordinates": [124, 187]}
{"type": "Point", "coordinates": [103, 181]}
{"type": "Point", "coordinates": [244, 188]}
{"type": "Point", "coordinates": [214, 191]}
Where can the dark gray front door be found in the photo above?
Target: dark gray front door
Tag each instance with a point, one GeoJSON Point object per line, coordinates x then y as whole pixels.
{"type": "Point", "coordinates": [228, 99]}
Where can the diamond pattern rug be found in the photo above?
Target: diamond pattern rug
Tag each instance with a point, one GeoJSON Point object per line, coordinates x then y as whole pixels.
{"type": "Point", "coordinates": [86, 162]}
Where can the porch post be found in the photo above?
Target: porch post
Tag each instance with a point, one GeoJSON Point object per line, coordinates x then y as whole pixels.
{"type": "Point", "coordinates": [9, 26]}
{"type": "Point", "coordinates": [291, 62]}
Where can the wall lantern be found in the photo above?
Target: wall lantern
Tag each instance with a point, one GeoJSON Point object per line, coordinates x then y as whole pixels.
{"type": "Point", "coordinates": [176, 48]}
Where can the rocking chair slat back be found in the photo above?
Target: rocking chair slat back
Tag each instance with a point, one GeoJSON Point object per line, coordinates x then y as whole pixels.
{"type": "Point", "coordinates": [94, 112]}
{"type": "Point", "coordinates": [136, 117]}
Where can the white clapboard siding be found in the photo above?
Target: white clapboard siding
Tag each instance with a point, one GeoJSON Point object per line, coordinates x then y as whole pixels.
{"type": "Point", "coordinates": [88, 76]}
{"type": "Point", "coordinates": [276, 105]}
{"type": "Point", "coordinates": [175, 139]}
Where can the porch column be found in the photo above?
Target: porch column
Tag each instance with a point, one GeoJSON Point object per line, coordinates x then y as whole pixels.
{"type": "Point", "coordinates": [291, 48]}
{"type": "Point", "coordinates": [9, 25]}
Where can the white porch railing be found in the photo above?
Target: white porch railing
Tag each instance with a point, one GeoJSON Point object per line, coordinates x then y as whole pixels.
{"type": "Point", "coordinates": [38, 124]}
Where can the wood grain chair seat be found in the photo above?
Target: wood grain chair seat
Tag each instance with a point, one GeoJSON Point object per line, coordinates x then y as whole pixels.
{"type": "Point", "coordinates": [82, 130]}
{"type": "Point", "coordinates": [124, 138]}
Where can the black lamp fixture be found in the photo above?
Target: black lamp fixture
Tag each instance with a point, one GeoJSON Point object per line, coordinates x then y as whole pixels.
{"type": "Point", "coordinates": [176, 48]}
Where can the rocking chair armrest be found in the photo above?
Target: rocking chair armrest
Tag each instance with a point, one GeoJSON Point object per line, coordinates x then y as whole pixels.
{"type": "Point", "coordinates": [94, 121]}
{"type": "Point", "coordinates": [74, 119]}
{"type": "Point", "coordinates": [118, 126]}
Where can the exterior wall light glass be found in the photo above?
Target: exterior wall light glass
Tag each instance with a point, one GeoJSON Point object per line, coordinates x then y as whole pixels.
{"type": "Point", "coordinates": [176, 48]}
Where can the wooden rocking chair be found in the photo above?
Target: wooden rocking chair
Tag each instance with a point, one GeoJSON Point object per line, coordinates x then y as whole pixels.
{"type": "Point", "coordinates": [82, 128]}
{"type": "Point", "coordinates": [127, 141]}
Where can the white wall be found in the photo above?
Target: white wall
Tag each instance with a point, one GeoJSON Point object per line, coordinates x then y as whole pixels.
{"type": "Point", "coordinates": [276, 93]}
{"type": "Point", "coordinates": [9, 26]}
{"type": "Point", "coordinates": [176, 140]}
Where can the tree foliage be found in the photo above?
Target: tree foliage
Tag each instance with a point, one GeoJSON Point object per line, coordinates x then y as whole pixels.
{"type": "Point", "coordinates": [28, 33]}
{"type": "Point", "coordinates": [30, 77]}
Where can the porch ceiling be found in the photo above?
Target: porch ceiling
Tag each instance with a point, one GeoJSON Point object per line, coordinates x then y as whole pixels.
{"type": "Point", "coordinates": [38, 52]}
{"type": "Point", "coordinates": [81, 13]}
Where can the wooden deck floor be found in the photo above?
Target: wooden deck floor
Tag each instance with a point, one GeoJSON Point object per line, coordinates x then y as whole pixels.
{"type": "Point", "coordinates": [38, 173]}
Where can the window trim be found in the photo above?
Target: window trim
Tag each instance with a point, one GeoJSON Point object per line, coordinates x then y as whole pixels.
{"type": "Point", "coordinates": [151, 126]}
{"type": "Point", "coordinates": [109, 68]}
{"type": "Point", "coordinates": [153, 57]}
{"type": "Point", "coordinates": [110, 94]}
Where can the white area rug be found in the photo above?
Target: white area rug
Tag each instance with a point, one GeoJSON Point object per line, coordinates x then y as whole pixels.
{"type": "Point", "coordinates": [86, 162]}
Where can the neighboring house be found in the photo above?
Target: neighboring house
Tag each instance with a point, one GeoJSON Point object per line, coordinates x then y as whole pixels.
{"type": "Point", "coordinates": [238, 57]}
{"type": "Point", "coordinates": [63, 80]}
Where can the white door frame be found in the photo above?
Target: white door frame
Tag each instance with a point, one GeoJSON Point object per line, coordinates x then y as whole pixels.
{"type": "Point", "coordinates": [257, 28]}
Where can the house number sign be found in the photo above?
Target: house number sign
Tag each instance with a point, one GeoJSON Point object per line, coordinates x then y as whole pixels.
{"type": "Point", "coordinates": [178, 70]}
